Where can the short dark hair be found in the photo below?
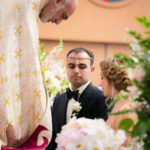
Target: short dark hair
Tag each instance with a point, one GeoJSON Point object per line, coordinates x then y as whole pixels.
{"type": "Point", "coordinates": [81, 49]}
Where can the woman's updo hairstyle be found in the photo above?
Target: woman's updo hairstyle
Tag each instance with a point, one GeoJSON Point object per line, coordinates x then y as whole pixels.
{"type": "Point", "coordinates": [113, 74]}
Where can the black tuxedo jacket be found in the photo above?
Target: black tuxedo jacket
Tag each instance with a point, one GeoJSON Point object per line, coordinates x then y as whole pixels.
{"type": "Point", "coordinates": [93, 106]}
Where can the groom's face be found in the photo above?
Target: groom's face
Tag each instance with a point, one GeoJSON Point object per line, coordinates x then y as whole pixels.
{"type": "Point", "coordinates": [78, 69]}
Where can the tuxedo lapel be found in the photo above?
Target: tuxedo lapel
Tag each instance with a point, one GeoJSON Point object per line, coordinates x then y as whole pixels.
{"type": "Point", "coordinates": [85, 94]}
{"type": "Point", "coordinates": [84, 100]}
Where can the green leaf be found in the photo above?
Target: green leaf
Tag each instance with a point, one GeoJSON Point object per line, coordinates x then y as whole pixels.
{"type": "Point", "coordinates": [129, 62]}
{"type": "Point", "coordinates": [142, 128]}
{"type": "Point", "coordinates": [126, 124]}
{"type": "Point", "coordinates": [125, 111]}
{"type": "Point", "coordinates": [136, 35]}
{"type": "Point", "coordinates": [41, 48]}
{"type": "Point", "coordinates": [139, 129]}
{"type": "Point", "coordinates": [143, 20]}
{"type": "Point", "coordinates": [45, 69]}
{"type": "Point", "coordinates": [145, 43]}
{"type": "Point", "coordinates": [60, 46]}
{"type": "Point", "coordinates": [45, 55]}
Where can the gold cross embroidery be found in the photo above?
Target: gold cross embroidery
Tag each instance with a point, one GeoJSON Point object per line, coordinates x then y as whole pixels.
{"type": "Point", "coordinates": [37, 93]}
{"type": "Point", "coordinates": [18, 29]}
{"type": "Point", "coordinates": [16, 6]}
{"type": "Point", "coordinates": [18, 53]}
{"type": "Point", "coordinates": [19, 96]}
{"type": "Point", "coordinates": [0, 35]}
{"type": "Point", "coordinates": [6, 100]}
{"type": "Point", "coordinates": [35, 72]}
{"type": "Point", "coordinates": [18, 75]}
{"type": "Point", "coordinates": [2, 58]}
{"type": "Point", "coordinates": [37, 116]}
{"type": "Point", "coordinates": [35, 6]}
{"type": "Point", "coordinates": [9, 122]}
{"type": "Point", "coordinates": [4, 79]}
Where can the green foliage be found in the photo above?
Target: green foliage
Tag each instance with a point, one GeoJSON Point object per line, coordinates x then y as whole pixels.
{"type": "Point", "coordinates": [129, 62]}
{"type": "Point", "coordinates": [140, 48]}
{"type": "Point", "coordinates": [125, 111]}
{"type": "Point", "coordinates": [144, 22]}
{"type": "Point", "coordinates": [126, 124]}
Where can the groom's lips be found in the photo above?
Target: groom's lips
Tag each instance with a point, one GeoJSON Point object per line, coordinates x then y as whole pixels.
{"type": "Point", "coordinates": [76, 77]}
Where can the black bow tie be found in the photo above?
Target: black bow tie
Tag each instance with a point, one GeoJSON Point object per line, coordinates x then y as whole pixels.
{"type": "Point", "coordinates": [73, 94]}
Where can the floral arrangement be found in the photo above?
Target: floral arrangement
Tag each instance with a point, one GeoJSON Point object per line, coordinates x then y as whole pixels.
{"type": "Point", "coordinates": [89, 134]}
{"type": "Point", "coordinates": [139, 71]}
{"type": "Point", "coordinates": [54, 71]}
{"type": "Point", "coordinates": [76, 107]}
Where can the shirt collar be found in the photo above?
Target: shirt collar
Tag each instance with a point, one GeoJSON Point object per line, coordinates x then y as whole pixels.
{"type": "Point", "coordinates": [82, 88]}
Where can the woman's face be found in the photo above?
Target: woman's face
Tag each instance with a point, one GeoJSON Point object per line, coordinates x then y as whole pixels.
{"type": "Point", "coordinates": [106, 86]}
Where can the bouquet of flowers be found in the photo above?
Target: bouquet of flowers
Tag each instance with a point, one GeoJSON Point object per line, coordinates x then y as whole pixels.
{"type": "Point", "coordinates": [89, 134]}
{"type": "Point", "coordinates": [54, 71]}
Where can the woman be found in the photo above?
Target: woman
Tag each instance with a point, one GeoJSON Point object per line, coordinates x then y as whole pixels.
{"type": "Point", "coordinates": [113, 81]}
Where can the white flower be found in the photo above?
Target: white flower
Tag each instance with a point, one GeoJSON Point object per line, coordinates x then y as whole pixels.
{"type": "Point", "coordinates": [133, 91]}
{"type": "Point", "coordinates": [76, 106]}
{"type": "Point", "coordinates": [89, 134]}
{"type": "Point", "coordinates": [137, 73]}
{"type": "Point", "coordinates": [136, 48]}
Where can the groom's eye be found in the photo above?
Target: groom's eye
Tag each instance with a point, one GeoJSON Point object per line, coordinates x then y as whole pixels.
{"type": "Point", "coordinates": [80, 66]}
{"type": "Point", "coordinates": [71, 66]}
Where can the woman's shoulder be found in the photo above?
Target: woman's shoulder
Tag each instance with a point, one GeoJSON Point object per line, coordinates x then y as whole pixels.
{"type": "Point", "coordinates": [114, 121]}
{"type": "Point", "coordinates": [127, 106]}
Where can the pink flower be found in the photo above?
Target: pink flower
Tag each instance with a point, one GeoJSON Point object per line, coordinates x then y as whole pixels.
{"type": "Point", "coordinates": [136, 73]}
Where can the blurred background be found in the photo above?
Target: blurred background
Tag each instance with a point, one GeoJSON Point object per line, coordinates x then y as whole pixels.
{"type": "Point", "coordinates": [97, 25]}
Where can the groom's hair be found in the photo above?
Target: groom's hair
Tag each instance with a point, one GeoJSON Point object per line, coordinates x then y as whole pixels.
{"type": "Point", "coordinates": [81, 49]}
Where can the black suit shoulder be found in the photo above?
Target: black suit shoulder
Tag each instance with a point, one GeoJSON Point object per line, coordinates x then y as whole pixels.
{"type": "Point", "coordinates": [97, 92]}
{"type": "Point", "coordinates": [94, 93]}
{"type": "Point", "coordinates": [59, 99]}
{"type": "Point", "coordinates": [93, 102]}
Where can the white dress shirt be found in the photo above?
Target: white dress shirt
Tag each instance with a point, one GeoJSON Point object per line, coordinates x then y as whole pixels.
{"type": "Point", "coordinates": [72, 101]}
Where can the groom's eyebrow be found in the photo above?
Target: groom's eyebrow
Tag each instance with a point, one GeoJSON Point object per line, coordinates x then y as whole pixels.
{"type": "Point", "coordinates": [79, 58]}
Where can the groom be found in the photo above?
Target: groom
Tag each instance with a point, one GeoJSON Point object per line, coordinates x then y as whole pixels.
{"type": "Point", "coordinates": [79, 68]}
